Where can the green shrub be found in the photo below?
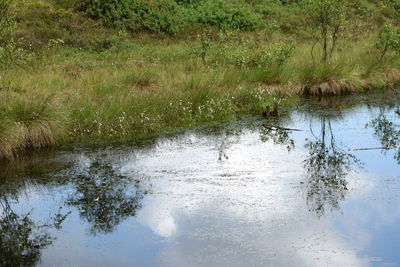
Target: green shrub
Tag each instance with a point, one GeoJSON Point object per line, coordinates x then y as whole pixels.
{"type": "Point", "coordinates": [157, 16]}
{"type": "Point", "coordinates": [225, 15]}
{"type": "Point", "coordinates": [205, 45]}
{"type": "Point", "coordinates": [388, 40]}
{"type": "Point", "coordinates": [277, 55]}
{"type": "Point", "coordinates": [265, 57]}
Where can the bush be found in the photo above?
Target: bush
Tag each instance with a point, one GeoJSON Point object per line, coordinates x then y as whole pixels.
{"type": "Point", "coordinates": [388, 40]}
{"type": "Point", "coordinates": [265, 57]}
{"type": "Point", "coordinates": [157, 16]}
{"type": "Point", "coordinates": [277, 55]}
{"type": "Point", "coordinates": [225, 15]}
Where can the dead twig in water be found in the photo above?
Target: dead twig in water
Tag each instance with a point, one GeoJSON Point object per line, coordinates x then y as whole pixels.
{"type": "Point", "coordinates": [373, 148]}
{"type": "Point", "coordinates": [272, 127]}
{"type": "Point", "coordinates": [394, 90]}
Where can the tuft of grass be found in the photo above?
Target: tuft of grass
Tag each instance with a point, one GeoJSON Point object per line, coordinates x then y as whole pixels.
{"type": "Point", "coordinates": [332, 86]}
{"type": "Point", "coordinates": [339, 76]}
{"type": "Point", "coordinates": [28, 122]}
{"type": "Point", "coordinates": [7, 142]}
{"type": "Point", "coordinates": [269, 76]}
{"type": "Point", "coordinates": [140, 79]}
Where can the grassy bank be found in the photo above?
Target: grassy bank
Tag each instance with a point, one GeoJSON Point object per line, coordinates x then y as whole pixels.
{"type": "Point", "coordinates": [123, 86]}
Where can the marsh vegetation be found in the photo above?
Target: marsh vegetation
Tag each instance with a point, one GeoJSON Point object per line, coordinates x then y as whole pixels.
{"type": "Point", "coordinates": [112, 71]}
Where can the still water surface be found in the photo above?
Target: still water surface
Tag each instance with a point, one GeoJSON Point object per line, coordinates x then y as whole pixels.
{"type": "Point", "coordinates": [246, 193]}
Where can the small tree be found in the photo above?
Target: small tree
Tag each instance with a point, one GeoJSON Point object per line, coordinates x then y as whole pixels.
{"type": "Point", "coordinates": [328, 17]}
{"type": "Point", "coordinates": [388, 39]}
{"type": "Point", "coordinates": [205, 40]}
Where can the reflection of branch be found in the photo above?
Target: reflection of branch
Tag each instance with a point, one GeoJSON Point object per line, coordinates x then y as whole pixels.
{"type": "Point", "coordinates": [386, 131]}
{"type": "Point", "coordinates": [104, 198]}
{"type": "Point", "coordinates": [222, 148]}
{"type": "Point", "coordinates": [372, 148]}
{"type": "Point", "coordinates": [275, 127]}
{"type": "Point", "coordinates": [326, 167]}
{"type": "Point", "coordinates": [21, 239]}
{"type": "Point", "coordinates": [279, 135]}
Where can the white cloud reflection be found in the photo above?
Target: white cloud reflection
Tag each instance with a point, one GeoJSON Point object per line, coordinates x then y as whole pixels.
{"type": "Point", "coordinates": [248, 210]}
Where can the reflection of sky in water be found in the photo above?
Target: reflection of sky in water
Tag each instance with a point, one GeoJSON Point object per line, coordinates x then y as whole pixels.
{"type": "Point", "coordinates": [247, 210]}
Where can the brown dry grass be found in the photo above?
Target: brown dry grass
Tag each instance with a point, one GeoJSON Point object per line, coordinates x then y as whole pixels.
{"type": "Point", "coordinates": [332, 86]}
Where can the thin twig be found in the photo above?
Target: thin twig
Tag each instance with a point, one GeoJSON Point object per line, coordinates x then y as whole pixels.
{"type": "Point", "coordinates": [372, 148]}
{"type": "Point", "coordinates": [393, 89]}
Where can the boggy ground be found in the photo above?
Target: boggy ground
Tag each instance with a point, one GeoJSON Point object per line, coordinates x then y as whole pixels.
{"type": "Point", "coordinates": [131, 86]}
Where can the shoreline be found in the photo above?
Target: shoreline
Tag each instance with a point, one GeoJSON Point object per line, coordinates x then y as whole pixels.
{"type": "Point", "coordinates": [44, 134]}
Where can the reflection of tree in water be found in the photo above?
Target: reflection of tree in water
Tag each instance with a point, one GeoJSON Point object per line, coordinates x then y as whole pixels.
{"type": "Point", "coordinates": [22, 239]}
{"type": "Point", "coordinates": [104, 198]}
{"type": "Point", "coordinates": [269, 130]}
{"type": "Point", "coordinates": [278, 135]}
{"type": "Point", "coordinates": [326, 168]}
{"type": "Point", "coordinates": [386, 130]}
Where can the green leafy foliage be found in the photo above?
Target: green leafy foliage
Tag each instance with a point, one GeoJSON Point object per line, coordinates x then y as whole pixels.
{"type": "Point", "coordinates": [275, 55]}
{"type": "Point", "coordinates": [226, 15]}
{"type": "Point", "coordinates": [157, 16]}
{"type": "Point", "coordinates": [11, 55]}
{"type": "Point", "coordinates": [388, 40]}
{"type": "Point", "coordinates": [205, 45]}
{"type": "Point", "coordinates": [265, 57]}
{"type": "Point", "coordinates": [166, 16]}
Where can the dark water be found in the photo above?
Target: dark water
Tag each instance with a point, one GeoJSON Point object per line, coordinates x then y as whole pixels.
{"type": "Point", "coordinates": [240, 194]}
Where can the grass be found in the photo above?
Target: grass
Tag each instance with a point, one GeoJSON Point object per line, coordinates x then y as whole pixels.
{"type": "Point", "coordinates": [122, 94]}
{"type": "Point", "coordinates": [121, 88]}
{"type": "Point", "coordinates": [27, 122]}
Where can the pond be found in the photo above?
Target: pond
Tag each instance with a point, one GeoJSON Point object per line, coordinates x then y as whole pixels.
{"type": "Point", "coordinates": [285, 191]}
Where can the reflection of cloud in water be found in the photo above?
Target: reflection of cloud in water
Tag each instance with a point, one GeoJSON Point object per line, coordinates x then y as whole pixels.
{"type": "Point", "coordinates": [248, 210]}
